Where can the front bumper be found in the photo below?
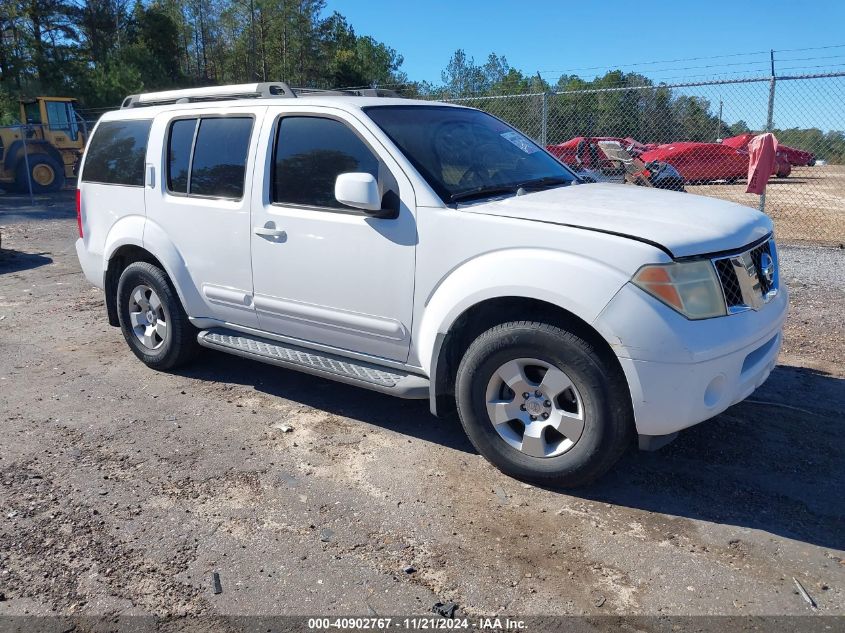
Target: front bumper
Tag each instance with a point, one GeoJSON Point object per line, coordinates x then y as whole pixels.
{"type": "Point", "coordinates": [682, 372]}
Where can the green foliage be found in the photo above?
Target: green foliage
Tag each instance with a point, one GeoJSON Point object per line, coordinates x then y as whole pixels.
{"type": "Point", "coordinates": [110, 82]}
{"type": "Point", "coordinates": [740, 127]}
{"type": "Point", "coordinates": [101, 50]}
{"type": "Point", "coordinates": [9, 110]}
{"type": "Point", "coordinates": [615, 104]}
{"type": "Point", "coordinates": [829, 146]}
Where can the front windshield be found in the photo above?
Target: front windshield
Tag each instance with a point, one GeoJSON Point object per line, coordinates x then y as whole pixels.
{"type": "Point", "coordinates": [465, 154]}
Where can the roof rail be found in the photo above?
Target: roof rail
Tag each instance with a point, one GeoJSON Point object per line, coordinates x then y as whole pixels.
{"type": "Point", "coordinates": [210, 93]}
{"type": "Point", "coordinates": [359, 92]}
{"type": "Point", "coordinates": [261, 90]}
{"type": "Point", "coordinates": [377, 92]}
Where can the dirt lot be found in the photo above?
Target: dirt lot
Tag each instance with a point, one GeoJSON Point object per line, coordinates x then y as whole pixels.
{"type": "Point", "coordinates": [808, 206]}
{"type": "Point", "coordinates": [123, 489]}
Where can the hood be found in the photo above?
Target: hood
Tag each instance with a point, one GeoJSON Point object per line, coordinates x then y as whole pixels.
{"type": "Point", "coordinates": [682, 223]}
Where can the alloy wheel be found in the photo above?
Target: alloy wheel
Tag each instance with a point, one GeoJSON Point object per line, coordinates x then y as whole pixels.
{"type": "Point", "coordinates": [535, 407]}
{"type": "Point", "coordinates": [147, 317]}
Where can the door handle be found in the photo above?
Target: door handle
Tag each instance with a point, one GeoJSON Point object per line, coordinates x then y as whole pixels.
{"type": "Point", "coordinates": [265, 231]}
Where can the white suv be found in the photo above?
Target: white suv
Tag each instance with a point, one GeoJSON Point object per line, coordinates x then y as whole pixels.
{"type": "Point", "coordinates": [427, 250]}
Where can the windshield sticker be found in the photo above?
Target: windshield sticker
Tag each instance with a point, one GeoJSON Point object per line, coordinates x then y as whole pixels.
{"type": "Point", "coordinates": [520, 141]}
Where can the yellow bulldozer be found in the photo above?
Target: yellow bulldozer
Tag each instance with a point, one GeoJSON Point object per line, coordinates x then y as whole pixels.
{"type": "Point", "coordinates": [45, 149]}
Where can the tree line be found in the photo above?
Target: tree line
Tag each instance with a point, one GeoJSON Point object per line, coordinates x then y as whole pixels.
{"type": "Point", "coordinates": [616, 104]}
{"type": "Point", "coordinates": [101, 50]}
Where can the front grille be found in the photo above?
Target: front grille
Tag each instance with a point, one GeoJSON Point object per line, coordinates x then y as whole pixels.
{"type": "Point", "coordinates": [743, 279]}
{"type": "Point", "coordinates": [730, 285]}
{"type": "Point", "coordinates": [756, 256]}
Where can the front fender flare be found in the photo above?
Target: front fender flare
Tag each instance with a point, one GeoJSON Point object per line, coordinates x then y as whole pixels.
{"type": "Point", "coordinates": [577, 284]}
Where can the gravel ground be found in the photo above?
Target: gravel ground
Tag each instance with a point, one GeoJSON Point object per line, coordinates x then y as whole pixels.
{"type": "Point", "coordinates": [815, 330]}
{"type": "Point", "coordinates": [123, 489]}
{"type": "Point", "coordinates": [808, 206]}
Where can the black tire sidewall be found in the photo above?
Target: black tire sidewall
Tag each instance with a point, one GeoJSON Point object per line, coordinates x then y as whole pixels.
{"type": "Point", "coordinates": [142, 273]}
{"type": "Point", "coordinates": [37, 159]}
{"type": "Point", "coordinates": [604, 435]}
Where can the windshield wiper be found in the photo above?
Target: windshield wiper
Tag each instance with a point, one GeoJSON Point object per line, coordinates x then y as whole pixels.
{"type": "Point", "coordinates": [493, 190]}
{"type": "Point", "coordinates": [482, 192]}
{"type": "Point", "coordinates": [547, 181]}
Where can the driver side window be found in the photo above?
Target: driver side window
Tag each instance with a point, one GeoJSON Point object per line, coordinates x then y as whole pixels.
{"type": "Point", "coordinates": [310, 153]}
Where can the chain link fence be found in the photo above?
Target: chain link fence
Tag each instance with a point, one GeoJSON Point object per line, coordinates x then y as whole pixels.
{"type": "Point", "coordinates": [38, 159]}
{"type": "Point", "coordinates": [698, 131]}
{"type": "Point", "coordinates": [701, 131]}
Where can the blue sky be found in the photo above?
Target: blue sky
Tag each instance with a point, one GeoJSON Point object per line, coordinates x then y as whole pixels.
{"type": "Point", "coordinates": [689, 41]}
{"type": "Point", "coordinates": [554, 36]}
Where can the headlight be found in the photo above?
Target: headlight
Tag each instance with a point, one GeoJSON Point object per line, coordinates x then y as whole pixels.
{"type": "Point", "coordinates": [691, 288]}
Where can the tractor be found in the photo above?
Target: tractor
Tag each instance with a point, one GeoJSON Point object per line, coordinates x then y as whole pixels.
{"type": "Point", "coordinates": [48, 145]}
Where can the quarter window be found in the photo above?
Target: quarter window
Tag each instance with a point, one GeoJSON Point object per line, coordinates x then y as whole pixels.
{"type": "Point", "coordinates": [116, 153]}
{"type": "Point", "coordinates": [310, 154]}
{"type": "Point", "coordinates": [179, 154]}
{"type": "Point", "coordinates": [207, 156]}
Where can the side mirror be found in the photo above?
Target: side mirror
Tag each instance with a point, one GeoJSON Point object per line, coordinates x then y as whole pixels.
{"type": "Point", "coordinates": [359, 190]}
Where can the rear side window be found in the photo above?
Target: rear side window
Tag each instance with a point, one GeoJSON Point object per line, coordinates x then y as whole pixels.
{"type": "Point", "coordinates": [207, 156]}
{"type": "Point", "coordinates": [310, 154]}
{"type": "Point", "coordinates": [116, 153]}
{"type": "Point", "coordinates": [179, 154]}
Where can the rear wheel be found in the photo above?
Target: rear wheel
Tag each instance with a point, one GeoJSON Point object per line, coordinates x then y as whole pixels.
{"type": "Point", "coordinates": [44, 172]}
{"type": "Point", "coordinates": [543, 404]}
{"type": "Point", "coordinates": [152, 318]}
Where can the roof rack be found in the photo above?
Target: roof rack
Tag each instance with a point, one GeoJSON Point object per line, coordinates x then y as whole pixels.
{"type": "Point", "coordinates": [262, 90]}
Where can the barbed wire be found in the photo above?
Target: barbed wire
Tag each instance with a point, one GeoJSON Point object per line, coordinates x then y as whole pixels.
{"type": "Point", "coordinates": [814, 48]}
{"type": "Point", "coordinates": [663, 61]}
{"type": "Point", "coordinates": [712, 57]}
{"type": "Point", "coordinates": [701, 58]}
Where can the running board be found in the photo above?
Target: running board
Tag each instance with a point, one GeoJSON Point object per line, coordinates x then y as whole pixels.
{"type": "Point", "coordinates": [353, 372]}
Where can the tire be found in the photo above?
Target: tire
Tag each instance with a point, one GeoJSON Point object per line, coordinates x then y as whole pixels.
{"type": "Point", "coordinates": [46, 174]}
{"type": "Point", "coordinates": [145, 300]}
{"type": "Point", "coordinates": [671, 183]}
{"type": "Point", "coordinates": [598, 393]}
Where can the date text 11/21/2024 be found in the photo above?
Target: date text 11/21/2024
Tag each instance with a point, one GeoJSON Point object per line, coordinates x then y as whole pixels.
{"type": "Point", "coordinates": [416, 623]}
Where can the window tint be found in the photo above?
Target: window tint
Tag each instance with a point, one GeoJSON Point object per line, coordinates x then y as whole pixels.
{"type": "Point", "coordinates": [179, 154]}
{"type": "Point", "coordinates": [310, 154]}
{"type": "Point", "coordinates": [116, 153]}
{"type": "Point", "coordinates": [220, 157]}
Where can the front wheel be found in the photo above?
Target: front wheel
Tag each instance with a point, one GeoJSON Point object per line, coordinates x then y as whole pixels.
{"type": "Point", "coordinates": [543, 404]}
{"type": "Point", "coordinates": [152, 318]}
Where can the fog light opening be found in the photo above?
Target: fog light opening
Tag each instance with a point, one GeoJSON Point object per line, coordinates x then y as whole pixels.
{"type": "Point", "coordinates": [714, 392]}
